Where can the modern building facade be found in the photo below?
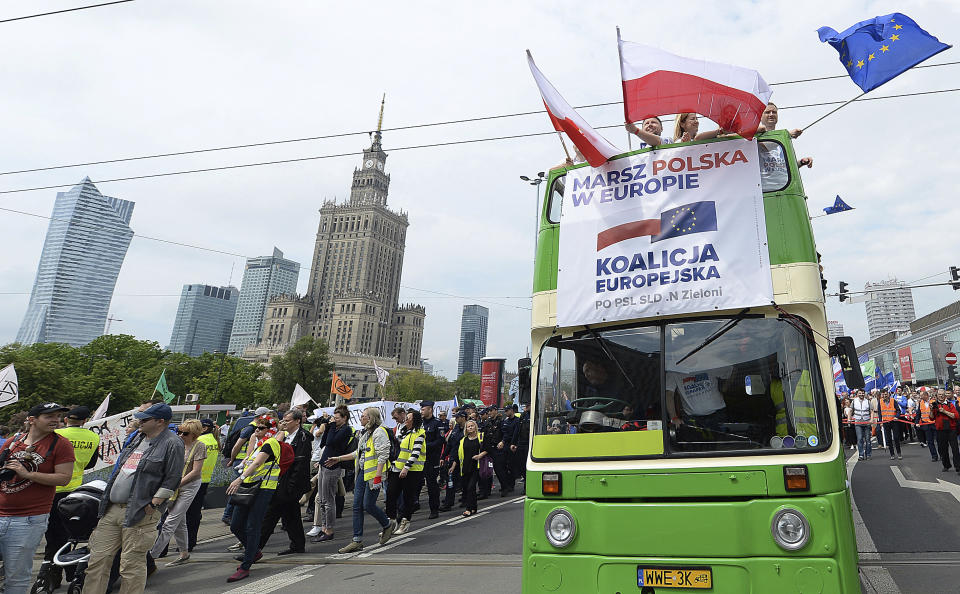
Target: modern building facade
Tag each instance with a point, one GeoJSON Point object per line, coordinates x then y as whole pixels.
{"type": "Point", "coordinates": [473, 338]}
{"type": "Point", "coordinates": [263, 278]}
{"type": "Point", "coordinates": [918, 355]}
{"type": "Point", "coordinates": [834, 329]}
{"type": "Point", "coordinates": [86, 242]}
{"type": "Point", "coordinates": [889, 306]}
{"type": "Point", "coordinates": [204, 319]}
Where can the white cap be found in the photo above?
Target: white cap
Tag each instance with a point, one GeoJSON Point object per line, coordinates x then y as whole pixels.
{"type": "Point", "coordinates": [262, 411]}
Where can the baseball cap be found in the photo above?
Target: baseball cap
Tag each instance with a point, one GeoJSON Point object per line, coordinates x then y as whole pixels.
{"type": "Point", "coordinates": [208, 423]}
{"type": "Point", "coordinates": [426, 403]}
{"type": "Point", "coordinates": [263, 410]}
{"type": "Point", "coordinates": [461, 413]}
{"type": "Point", "coordinates": [79, 413]}
{"type": "Point", "coordinates": [156, 411]}
{"type": "Point", "coordinates": [46, 407]}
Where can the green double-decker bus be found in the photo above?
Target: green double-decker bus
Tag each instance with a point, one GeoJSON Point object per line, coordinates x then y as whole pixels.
{"type": "Point", "coordinates": [629, 489]}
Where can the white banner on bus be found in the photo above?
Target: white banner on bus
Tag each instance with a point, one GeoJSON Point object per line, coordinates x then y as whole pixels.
{"type": "Point", "coordinates": [677, 230]}
{"type": "Point", "coordinates": [386, 407]}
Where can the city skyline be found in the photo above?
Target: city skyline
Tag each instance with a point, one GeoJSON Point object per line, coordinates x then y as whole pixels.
{"type": "Point", "coordinates": [473, 338]}
{"type": "Point", "coordinates": [263, 277]}
{"type": "Point", "coordinates": [204, 319]}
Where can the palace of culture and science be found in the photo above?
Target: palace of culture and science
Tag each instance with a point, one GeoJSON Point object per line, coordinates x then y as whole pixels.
{"type": "Point", "coordinates": [353, 285]}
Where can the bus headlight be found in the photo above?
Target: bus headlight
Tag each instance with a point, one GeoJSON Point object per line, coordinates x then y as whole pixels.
{"type": "Point", "coordinates": [790, 528]}
{"type": "Point", "coordinates": [560, 528]}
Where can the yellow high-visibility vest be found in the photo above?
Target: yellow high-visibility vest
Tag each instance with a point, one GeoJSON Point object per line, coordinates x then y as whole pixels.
{"type": "Point", "coordinates": [406, 449]}
{"type": "Point", "coordinates": [213, 454]}
{"type": "Point", "coordinates": [370, 455]}
{"type": "Point", "coordinates": [85, 443]}
{"type": "Point", "coordinates": [268, 472]}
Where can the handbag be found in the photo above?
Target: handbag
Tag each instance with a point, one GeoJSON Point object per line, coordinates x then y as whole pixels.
{"type": "Point", "coordinates": [486, 467]}
{"type": "Point", "coordinates": [247, 492]}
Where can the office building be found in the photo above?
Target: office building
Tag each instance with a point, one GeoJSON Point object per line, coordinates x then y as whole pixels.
{"type": "Point", "coordinates": [86, 242]}
{"type": "Point", "coordinates": [889, 306]}
{"type": "Point", "coordinates": [473, 338]}
{"type": "Point", "coordinates": [834, 329]}
{"type": "Point", "coordinates": [204, 319]}
{"type": "Point", "coordinates": [263, 277]}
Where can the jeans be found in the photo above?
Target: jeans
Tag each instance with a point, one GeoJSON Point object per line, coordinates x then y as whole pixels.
{"type": "Point", "coordinates": [930, 434]}
{"type": "Point", "coordinates": [365, 500]}
{"type": "Point", "coordinates": [230, 507]}
{"type": "Point", "coordinates": [19, 539]}
{"type": "Point", "coordinates": [246, 523]}
{"type": "Point", "coordinates": [863, 440]}
{"type": "Point", "coordinates": [133, 544]}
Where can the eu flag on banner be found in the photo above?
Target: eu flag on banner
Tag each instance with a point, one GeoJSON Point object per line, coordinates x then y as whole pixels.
{"type": "Point", "coordinates": [838, 206]}
{"type": "Point", "coordinates": [688, 219]}
{"type": "Point", "coordinates": [880, 49]}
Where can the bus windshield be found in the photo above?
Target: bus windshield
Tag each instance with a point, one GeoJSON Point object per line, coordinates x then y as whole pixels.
{"type": "Point", "coordinates": [745, 384]}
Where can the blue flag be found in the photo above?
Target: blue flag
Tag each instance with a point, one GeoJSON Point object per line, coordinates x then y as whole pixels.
{"type": "Point", "coordinates": [880, 49]}
{"type": "Point", "coordinates": [696, 217]}
{"type": "Point", "coordinates": [838, 206]}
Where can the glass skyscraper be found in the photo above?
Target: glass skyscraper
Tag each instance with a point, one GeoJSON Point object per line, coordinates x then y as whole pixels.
{"type": "Point", "coordinates": [204, 319]}
{"type": "Point", "coordinates": [263, 278]}
{"type": "Point", "coordinates": [473, 338]}
{"type": "Point", "coordinates": [86, 242]}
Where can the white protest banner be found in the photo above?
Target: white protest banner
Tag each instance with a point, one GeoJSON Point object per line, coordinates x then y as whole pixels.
{"type": "Point", "coordinates": [386, 407]}
{"type": "Point", "coordinates": [9, 388]}
{"type": "Point", "coordinates": [113, 432]}
{"type": "Point", "coordinates": [676, 230]}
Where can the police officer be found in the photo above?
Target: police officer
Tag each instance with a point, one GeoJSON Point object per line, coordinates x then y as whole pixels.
{"type": "Point", "coordinates": [209, 439]}
{"type": "Point", "coordinates": [507, 446]}
{"type": "Point", "coordinates": [86, 447]}
{"type": "Point", "coordinates": [450, 453]}
{"type": "Point", "coordinates": [433, 440]}
{"type": "Point", "coordinates": [491, 429]}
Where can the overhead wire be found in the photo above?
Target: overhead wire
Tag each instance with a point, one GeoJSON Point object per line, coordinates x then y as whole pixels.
{"type": "Point", "coordinates": [74, 9]}
{"type": "Point", "coordinates": [393, 129]}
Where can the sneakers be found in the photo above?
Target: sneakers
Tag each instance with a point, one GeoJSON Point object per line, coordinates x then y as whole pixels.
{"type": "Point", "coordinates": [322, 537]}
{"type": "Point", "coordinates": [892, 457]}
{"type": "Point", "coordinates": [387, 532]}
{"type": "Point", "coordinates": [314, 531]}
{"type": "Point", "coordinates": [238, 575]}
{"type": "Point", "coordinates": [403, 527]}
{"type": "Point", "coordinates": [236, 547]}
{"type": "Point", "coordinates": [351, 547]}
{"type": "Point", "coordinates": [178, 561]}
{"type": "Point", "coordinates": [899, 456]}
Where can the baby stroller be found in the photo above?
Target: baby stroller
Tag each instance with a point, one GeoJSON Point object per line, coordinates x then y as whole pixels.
{"type": "Point", "coordinates": [79, 511]}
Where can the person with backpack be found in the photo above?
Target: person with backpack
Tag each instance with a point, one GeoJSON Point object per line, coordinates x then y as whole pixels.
{"type": "Point", "coordinates": [296, 446]}
{"type": "Point", "coordinates": [376, 448]}
{"type": "Point", "coordinates": [337, 439]}
{"type": "Point", "coordinates": [260, 476]}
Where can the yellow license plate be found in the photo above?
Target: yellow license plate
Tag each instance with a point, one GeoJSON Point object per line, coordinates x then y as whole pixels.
{"type": "Point", "coordinates": [675, 577]}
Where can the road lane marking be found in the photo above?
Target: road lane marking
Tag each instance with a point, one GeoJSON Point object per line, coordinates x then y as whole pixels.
{"type": "Point", "coordinates": [940, 486]}
{"type": "Point", "coordinates": [380, 549]}
{"type": "Point", "coordinates": [275, 582]}
{"type": "Point", "coordinates": [468, 518]}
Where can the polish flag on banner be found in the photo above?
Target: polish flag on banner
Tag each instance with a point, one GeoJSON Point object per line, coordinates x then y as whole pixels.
{"type": "Point", "coordinates": [595, 148]}
{"type": "Point", "coordinates": [656, 82]}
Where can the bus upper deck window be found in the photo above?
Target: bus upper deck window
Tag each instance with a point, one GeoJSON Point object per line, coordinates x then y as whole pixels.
{"type": "Point", "coordinates": [774, 169]}
{"type": "Point", "coordinates": [556, 199]}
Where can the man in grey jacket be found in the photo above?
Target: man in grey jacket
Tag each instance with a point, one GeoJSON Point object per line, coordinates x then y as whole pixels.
{"type": "Point", "coordinates": [145, 477]}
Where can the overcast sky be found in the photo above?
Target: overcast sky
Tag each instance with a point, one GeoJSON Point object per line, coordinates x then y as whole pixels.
{"type": "Point", "coordinates": [157, 76]}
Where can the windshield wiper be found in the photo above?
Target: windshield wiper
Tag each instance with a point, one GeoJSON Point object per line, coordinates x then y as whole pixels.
{"type": "Point", "coordinates": [603, 345]}
{"type": "Point", "coordinates": [726, 328]}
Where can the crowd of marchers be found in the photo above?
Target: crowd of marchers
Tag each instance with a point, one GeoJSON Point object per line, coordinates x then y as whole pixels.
{"type": "Point", "coordinates": [288, 468]}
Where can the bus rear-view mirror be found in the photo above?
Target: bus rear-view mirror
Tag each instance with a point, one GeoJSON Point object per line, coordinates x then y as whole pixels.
{"type": "Point", "coordinates": [845, 351]}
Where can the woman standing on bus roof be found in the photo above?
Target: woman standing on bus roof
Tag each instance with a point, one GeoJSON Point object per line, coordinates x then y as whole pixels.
{"type": "Point", "coordinates": [649, 132]}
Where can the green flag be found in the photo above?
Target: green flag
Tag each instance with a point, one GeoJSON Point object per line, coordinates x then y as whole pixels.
{"type": "Point", "coordinates": [168, 396]}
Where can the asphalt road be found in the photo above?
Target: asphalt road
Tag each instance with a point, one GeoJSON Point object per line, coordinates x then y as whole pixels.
{"type": "Point", "coordinates": [449, 554]}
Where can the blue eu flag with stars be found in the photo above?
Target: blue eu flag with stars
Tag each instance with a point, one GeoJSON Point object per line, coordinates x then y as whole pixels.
{"type": "Point", "coordinates": [880, 49]}
{"type": "Point", "coordinates": [838, 206]}
{"type": "Point", "coordinates": [696, 217]}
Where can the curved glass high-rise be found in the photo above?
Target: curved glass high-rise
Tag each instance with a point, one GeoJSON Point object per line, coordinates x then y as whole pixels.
{"type": "Point", "coordinates": [86, 242]}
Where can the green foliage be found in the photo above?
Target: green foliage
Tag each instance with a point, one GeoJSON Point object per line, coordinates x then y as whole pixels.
{"type": "Point", "coordinates": [408, 385]}
{"type": "Point", "coordinates": [467, 386]}
{"type": "Point", "coordinates": [306, 363]}
{"type": "Point", "coordinates": [128, 369]}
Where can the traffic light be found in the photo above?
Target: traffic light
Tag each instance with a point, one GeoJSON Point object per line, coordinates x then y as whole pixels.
{"type": "Point", "coordinates": [823, 281]}
{"type": "Point", "coordinates": [952, 374]}
{"type": "Point", "coordinates": [955, 278]}
{"type": "Point", "coordinates": [843, 292]}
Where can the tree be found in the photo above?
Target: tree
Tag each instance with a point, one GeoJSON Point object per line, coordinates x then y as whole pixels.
{"type": "Point", "coordinates": [467, 386]}
{"type": "Point", "coordinates": [408, 385]}
{"type": "Point", "coordinates": [306, 363]}
{"type": "Point", "coordinates": [229, 380]}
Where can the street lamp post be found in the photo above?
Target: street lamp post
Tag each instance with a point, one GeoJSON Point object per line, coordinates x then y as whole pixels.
{"type": "Point", "coordinates": [535, 182]}
{"type": "Point", "coordinates": [223, 359]}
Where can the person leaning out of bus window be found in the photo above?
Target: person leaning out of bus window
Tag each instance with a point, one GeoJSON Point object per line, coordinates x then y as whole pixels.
{"type": "Point", "coordinates": [649, 132]}
{"type": "Point", "coordinates": [686, 128]}
{"type": "Point", "coordinates": [768, 121]}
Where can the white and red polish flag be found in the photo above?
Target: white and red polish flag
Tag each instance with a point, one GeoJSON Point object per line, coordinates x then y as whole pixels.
{"type": "Point", "coordinates": [595, 148]}
{"type": "Point", "coordinates": [656, 82]}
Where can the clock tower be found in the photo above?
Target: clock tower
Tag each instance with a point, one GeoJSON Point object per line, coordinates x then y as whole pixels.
{"type": "Point", "coordinates": [370, 182]}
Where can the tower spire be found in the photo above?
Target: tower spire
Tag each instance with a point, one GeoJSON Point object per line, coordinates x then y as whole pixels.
{"type": "Point", "coordinates": [377, 135]}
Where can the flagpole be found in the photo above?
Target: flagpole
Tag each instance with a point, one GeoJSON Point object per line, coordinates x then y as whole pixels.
{"type": "Point", "coordinates": [804, 129]}
{"type": "Point", "coordinates": [559, 134]}
{"type": "Point", "coordinates": [620, 54]}
{"type": "Point", "coordinates": [828, 214]}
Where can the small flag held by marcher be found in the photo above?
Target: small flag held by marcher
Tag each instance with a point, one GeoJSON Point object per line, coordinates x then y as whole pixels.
{"type": "Point", "coordinates": [877, 50]}
{"type": "Point", "coordinates": [838, 206]}
{"type": "Point", "coordinates": [168, 396]}
{"type": "Point", "coordinates": [9, 388]}
{"type": "Point", "coordinates": [300, 396]}
{"type": "Point", "coordinates": [595, 148]}
{"type": "Point", "coordinates": [382, 374]}
{"type": "Point", "coordinates": [338, 387]}
{"type": "Point", "coordinates": [102, 409]}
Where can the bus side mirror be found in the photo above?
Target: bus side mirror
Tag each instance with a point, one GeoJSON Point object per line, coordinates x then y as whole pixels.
{"type": "Point", "coordinates": [753, 385]}
{"type": "Point", "coordinates": [846, 353]}
{"type": "Point", "coordinates": [523, 373]}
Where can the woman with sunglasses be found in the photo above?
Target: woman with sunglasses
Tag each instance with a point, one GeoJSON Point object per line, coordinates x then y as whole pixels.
{"type": "Point", "coordinates": [263, 468]}
{"type": "Point", "coordinates": [176, 523]}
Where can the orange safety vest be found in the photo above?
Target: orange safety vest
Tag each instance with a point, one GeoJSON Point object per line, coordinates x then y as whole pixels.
{"type": "Point", "coordinates": [888, 411]}
{"type": "Point", "coordinates": [925, 413]}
